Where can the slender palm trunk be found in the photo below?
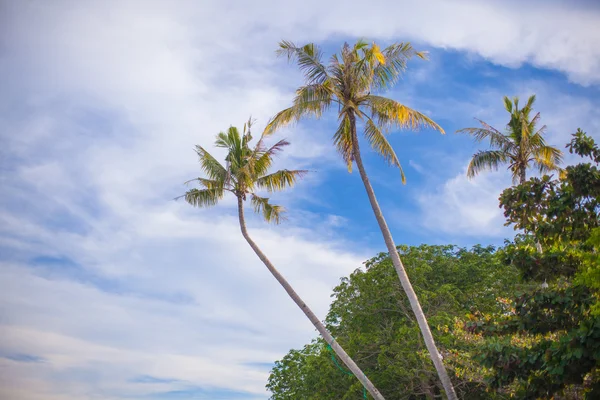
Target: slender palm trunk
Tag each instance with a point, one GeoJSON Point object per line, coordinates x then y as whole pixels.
{"type": "Point", "coordinates": [307, 311]}
{"type": "Point", "coordinates": [522, 176]}
{"type": "Point", "coordinates": [410, 293]}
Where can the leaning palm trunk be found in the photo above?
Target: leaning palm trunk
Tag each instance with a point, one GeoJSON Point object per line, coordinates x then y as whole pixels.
{"type": "Point", "coordinates": [307, 311]}
{"type": "Point", "coordinates": [406, 285]}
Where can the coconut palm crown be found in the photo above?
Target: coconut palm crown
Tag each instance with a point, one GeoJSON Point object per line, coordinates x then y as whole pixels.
{"type": "Point", "coordinates": [521, 146]}
{"type": "Point", "coordinates": [350, 82]}
{"type": "Point", "coordinates": [246, 170]}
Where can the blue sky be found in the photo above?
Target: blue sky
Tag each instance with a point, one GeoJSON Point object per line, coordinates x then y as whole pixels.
{"type": "Point", "coordinates": [111, 290]}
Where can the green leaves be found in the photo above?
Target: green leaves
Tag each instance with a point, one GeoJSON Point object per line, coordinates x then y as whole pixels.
{"type": "Point", "coordinates": [280, 180]}
{"type": "Point", "coordinates": [204, 197]}
{"type": "Point", "coordinates": [520, 146]}
{"type": "Point", "coordinates": [546, 343]}
{"type": "Point", "coordinates": [350, 79]}
{"type": "Point", "coordinates": [247, 169]}
{"type": "Point", "coordinates": [270, 212]}
{"type": "Point", "coordinates": [370, 316]}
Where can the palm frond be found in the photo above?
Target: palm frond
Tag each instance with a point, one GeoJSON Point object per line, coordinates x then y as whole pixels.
{"type": "Point", "coordinates": [342, 140]}
{"type": "Point", "coordinates": [396, 57]}
{"type": "Point", "coordinates": [313, 99]}
{"type": "Point", "coordinates": [203, 197]}
{"type": "Point", "coordinates": [482, 160]}
{"type": "Point", "coordinates": [281, 119]}
{"type": "Point", "coordinates": [380, 144]}
{"type": "Point", "coordinates": [210, 166]}
{"type": "Point", "coordinates": [487, 132]}
{"type": "Point", "coordinates": [308, 58]}
{"type": "Point", "coordinates": [263, 160]}
{"type": "Point", "coordinates": [547, 159]}
{"type": "Point", "coordinates": [390, 113]}
{"type": "Point", "coordinates": [280, 180]}
{"type": "Point", "coordinates": [270, 212]}
{"type": "Point", "coordinates": [207, 183]}
{"type": "Point", "coordinates": [508, 105]}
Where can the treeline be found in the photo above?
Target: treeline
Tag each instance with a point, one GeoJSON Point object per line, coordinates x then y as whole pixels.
{"type": "Point", "coordinates": [520, 321]}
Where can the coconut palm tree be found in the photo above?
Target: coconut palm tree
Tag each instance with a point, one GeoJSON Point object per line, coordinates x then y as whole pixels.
{"type": "Point", "coordinates": [247, 170]}
{"type": "Point", "coordinates": [350, 82]}
{"type": "Point", "coordinates": [521, 146]}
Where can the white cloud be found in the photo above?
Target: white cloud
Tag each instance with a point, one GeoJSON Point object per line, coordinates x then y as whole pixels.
{"type": "Point", "coordinates": [466, 207]}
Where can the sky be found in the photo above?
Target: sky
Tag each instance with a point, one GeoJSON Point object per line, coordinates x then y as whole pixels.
{"type": "Point", "coordinates": [110, 289]}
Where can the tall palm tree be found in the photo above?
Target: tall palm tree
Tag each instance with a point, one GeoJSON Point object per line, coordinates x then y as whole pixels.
{"type": "Point", "coordinates": [246, 170]}
{"type": "Point", "coordinates": [350, 82]}
{"type": "Point", "coordinates": [520, 146]}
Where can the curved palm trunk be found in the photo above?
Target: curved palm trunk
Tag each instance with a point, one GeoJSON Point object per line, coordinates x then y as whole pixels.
{"type": "Point", "coordinates": [408, 289]}
{"type": "Point", "coordinates": [307, 311]}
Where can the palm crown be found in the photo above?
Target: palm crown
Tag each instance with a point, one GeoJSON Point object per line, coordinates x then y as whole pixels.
{"type": "Point", "coordinates": [522, 144]}
{"type": "Point", "coordinates": [350, 81]}
{"type": "Point", "coordinates": [246, 170]}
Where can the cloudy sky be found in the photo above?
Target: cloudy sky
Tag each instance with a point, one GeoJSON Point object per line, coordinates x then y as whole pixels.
{"type": "Point", "coordinates": [109, 289]}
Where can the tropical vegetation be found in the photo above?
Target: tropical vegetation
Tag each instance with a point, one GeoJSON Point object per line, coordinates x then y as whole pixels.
{"type": "Point", "coordinates": [433, 321]}
{"type": "Point", "coordinates": [354, 81]}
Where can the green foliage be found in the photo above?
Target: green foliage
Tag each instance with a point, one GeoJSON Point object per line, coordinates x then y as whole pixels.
{"type": "Point", "coordinates": [350, 81]}
{"type": "Point", "coordinates": [522, 144]}
{"type": "Point", "coordinates": [546, 342]}
{"type": "Point", "coordinates": [371, 318]}
{"type": "Point", "coordinates": [246, 170]}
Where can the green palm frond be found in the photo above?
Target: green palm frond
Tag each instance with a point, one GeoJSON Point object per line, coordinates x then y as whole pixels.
{"type": "Point", "coordinates": [342, 140]}
{"type": "Point", "coordinates": [390, 113]}
{"type": "Point", "coordinates": [270, 212]}
{"type": "Point", "coordinates": [547, 159]}
{"type": "Point", "coordinates": [488, 159]}
{"type": "Point", "coordinates": [380, 144]}
{"type": "Point", "coordinates": [203, 197]}
{"type": "Point", "coordinates": [488, 132]}
{"type": "Point", "coordinates": [508, 105]}
{"type": "Point", "coordinates": [280, 180]}
{"type": "Point", "coordinates": [209, 165]}
{"type": "Point", "coordinates": [396, 57]}
{"type": "Point", "coordinates": [313, 99]}
{"type": "Point", "coordinates": [308, 58]}
{"type": "Point", "coordinates": [207, 183]}
{"type": "Point", "coordinates": [281, 119]}
{"type": "Point", "coordinates": [264, 159]}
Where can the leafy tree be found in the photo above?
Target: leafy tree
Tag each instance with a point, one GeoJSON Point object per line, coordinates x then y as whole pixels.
{"type": "Point", "coordinates": [246, 170]}
{"type": "Point", "coordinates": [522, 144]}
{"type": "Point", "coordinates": [372, 317]}
{"type": "Point", "coordinates": [546, 344]}
{"type": "Point", "coordinates": [350, 82]}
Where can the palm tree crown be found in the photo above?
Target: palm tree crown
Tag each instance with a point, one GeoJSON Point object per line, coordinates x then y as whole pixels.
{"type": "Point", "coordinates": [350, 81]}
{"type": "Point", "coordinates": [521, 145]}
{"type": "Point", "coordinates": [245, 171]}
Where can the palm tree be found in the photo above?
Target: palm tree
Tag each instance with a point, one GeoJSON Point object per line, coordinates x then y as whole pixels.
{"type": "Point", "coordinates": [521, 145]}
{"type": "Point", "coordinates": [350, 82]}
{"type": "Point", "coordinates": [246, 170]}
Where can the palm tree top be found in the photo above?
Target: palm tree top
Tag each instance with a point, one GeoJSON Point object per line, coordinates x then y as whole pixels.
{"type": "Point", "coordinates": [353, 80]}
{"type": "Point", "coordinates": [246, 170]}
{"type": "Point", "coordinates": [521, 144]}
